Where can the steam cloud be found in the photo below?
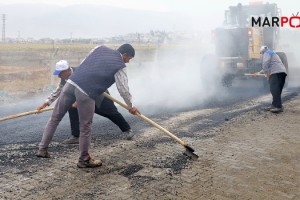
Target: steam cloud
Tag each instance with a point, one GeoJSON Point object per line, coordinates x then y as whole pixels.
{"type": "Point", "coordinates": [177, 78]}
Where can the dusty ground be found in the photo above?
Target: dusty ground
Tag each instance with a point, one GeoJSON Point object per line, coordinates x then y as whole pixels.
{"type": "Point", "coordinates": [254, 155]}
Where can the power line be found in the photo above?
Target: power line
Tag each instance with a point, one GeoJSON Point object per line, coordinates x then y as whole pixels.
{"type": "Point", "coordinates": [3, 27]}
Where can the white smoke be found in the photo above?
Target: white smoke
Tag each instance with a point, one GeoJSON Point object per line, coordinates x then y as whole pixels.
{"type": "Point", "coordinates": [175, 79]}
{"type": "Point", "coordinates": [290, 44]}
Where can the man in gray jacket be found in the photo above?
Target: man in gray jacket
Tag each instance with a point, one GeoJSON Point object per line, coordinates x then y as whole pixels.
{"type": "Point", "coordinates": [273, 68]}
{"type": "Point", "coordinates": [101, 68]}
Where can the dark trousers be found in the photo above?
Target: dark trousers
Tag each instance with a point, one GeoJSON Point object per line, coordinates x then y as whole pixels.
{"type": "Point", "coordinates": [276, 82]}
{"type": "Point", "coordinates": [107, 109]}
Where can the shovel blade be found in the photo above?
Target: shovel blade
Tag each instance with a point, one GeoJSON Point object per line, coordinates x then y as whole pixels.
{"type": "Point", "coordinates": [189, 152]}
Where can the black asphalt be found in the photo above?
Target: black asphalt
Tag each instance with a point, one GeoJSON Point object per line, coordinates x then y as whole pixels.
{"type": "Point", "coordinates": [29, 129]}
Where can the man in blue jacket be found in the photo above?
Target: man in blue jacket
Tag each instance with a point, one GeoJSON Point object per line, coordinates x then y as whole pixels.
{"type": "Point", "coordinates": [101, 68]}
{"type": "Point", "coordinates": [273, 68]}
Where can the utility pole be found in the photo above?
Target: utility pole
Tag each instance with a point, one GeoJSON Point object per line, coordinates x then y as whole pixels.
{"type": "Point", "coordinates": [3, 27]}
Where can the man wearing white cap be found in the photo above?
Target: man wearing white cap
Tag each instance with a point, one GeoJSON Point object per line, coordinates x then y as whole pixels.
{"type": "Point", "coordinates": [106, 108]}
{"type": "Point", "coordinates": [273, 68]}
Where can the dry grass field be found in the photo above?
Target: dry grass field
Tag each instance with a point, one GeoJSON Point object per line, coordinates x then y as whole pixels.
{"type": "Point", "coordinates": [16, 79]}
{"type": "Point", "coordinates": [27, 68]}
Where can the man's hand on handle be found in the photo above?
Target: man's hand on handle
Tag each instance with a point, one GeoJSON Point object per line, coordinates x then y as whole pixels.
{"type": "Point", "coordinates": [134, 111]}
{"type": "Point", "coordinates": [259, 74]}
{"type": "Point", "coordinates": [74, 105]}
{"type": "Point", "coordinates": [44, 105]}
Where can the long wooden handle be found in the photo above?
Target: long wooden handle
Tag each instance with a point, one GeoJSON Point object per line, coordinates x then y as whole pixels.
{"type": "Point", "coordinates": [147, 120]}
{"type": "Point", "coordinates": [25, 113]}
{"type": "Point", "coordinates": [255, 75]}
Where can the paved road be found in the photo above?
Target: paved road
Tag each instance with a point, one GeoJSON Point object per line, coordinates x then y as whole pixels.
{"type": "Point", "coordinates": [29, 129]}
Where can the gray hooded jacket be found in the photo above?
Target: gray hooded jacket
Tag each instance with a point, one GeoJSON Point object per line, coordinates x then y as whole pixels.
{"type": "Point", "coordinates": [272, 64]}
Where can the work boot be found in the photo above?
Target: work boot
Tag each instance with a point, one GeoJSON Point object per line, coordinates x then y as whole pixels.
{"type": "Point", "coordinates": [269, 108]}
{"type": "Point", "coordinates": [72, 140]}
{"type": "Point", "coordinates": [43, 153]}
{"type": "Point", "coordinates": [276, 110]}
{"type": "Point", "coordinates": [129, 134]}
{"type": "Point", "coordinates": [91, 163]}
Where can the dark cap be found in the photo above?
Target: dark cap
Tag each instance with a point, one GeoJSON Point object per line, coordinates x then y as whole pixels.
{"type": "Point", "coordinates": [128, 49]}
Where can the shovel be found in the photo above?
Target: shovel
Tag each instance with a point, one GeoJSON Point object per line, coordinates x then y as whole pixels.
{"type": "Point", "coordinates": [25, 113]}
{"type": "Point", "coordinates": [188, 150]}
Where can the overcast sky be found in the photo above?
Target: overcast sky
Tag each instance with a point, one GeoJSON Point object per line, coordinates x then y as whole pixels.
{"type": "Point", "coordinates": [174, 14]}
{"type": "Point", "coordinates": [185, 6]}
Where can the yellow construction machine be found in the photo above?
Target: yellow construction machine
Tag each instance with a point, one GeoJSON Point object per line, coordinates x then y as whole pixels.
{"type": "Point", "coordinates": [237, 42]}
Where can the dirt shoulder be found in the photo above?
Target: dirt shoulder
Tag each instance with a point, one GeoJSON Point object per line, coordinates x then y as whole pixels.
{"type": "Point", "coordinates": [253, 156]}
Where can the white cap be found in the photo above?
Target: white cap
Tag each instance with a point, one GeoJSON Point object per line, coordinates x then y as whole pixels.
{"type": "Point", "coordinates": [61, 65]}
{"type": "Point", "coordinates": [263, 49]}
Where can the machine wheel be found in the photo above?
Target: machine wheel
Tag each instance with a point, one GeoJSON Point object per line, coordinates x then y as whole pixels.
{"type": "Point", "coordinates": [265, 83]}
{"type": "Point", "coordinates": [227, 80]}
{"type": "Point", "coordinates": [283, 59]}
